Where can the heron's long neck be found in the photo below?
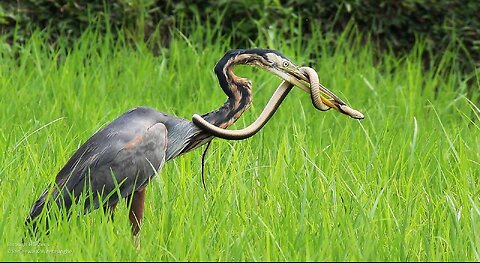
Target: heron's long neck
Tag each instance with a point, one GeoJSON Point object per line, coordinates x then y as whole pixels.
{"type": "Point", "coordinates": [239, 95]}
{"type": "Point", "coordinates": [239, 99]}
{"type": "Point", "coordinates": [227, 114]}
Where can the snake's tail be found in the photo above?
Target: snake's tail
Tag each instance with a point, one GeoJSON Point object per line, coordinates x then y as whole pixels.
{"type": "Point", "coordinates": [203, 164]}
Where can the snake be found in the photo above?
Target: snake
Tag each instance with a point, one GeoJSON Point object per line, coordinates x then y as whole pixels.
{"type": "Point", "coordinates": [274, 103]}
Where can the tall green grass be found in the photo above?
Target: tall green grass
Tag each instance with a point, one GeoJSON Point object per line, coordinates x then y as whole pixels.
{"type": "Point", "coordinates": [402, 184]}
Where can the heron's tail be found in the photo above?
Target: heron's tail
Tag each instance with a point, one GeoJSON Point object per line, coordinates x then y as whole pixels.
{"type": "Point", "coordinates": [56, 196]}
{"type": "Point", "coordinates": [31, 221]}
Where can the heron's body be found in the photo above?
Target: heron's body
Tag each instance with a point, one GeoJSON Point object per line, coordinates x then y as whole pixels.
{"type": "Point", "coordinates": [125, 153]}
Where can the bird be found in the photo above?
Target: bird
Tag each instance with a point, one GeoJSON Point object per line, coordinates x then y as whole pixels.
{"type": "Point", "coordinates": [118, 161]}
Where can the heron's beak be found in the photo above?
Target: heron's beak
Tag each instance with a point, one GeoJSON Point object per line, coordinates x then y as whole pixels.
{"type": "Point", "coordinates": [300, 79]}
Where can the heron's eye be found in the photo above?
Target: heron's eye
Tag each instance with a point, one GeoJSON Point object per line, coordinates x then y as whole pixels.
{"type": "Point", "coordinates": [285, 64]}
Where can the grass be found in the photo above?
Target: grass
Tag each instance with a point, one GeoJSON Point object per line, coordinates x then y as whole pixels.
{"type": "Point", "coordinates": [403, 184]}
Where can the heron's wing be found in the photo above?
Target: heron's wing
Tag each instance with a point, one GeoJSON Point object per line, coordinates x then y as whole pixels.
{"type": "Point", "coordinates": [119, 158]}
{"type": "Point", "coordinates": [132, 167]}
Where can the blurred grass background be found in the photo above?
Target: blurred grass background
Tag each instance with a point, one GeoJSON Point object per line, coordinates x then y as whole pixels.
{"type": "Point", "coordinates": [391, 25]}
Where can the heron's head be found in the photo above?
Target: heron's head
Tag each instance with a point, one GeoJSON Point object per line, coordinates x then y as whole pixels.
{"type": "Point", "coordinates": [278, 64]}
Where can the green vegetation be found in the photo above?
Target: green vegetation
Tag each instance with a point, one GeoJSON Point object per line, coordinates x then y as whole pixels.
{"type": "Point", "coordinates": [402, 184]}
{"type": "Point", "coordinates": [393, 25]}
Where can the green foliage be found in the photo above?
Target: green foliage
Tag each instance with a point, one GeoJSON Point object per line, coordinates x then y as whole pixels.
{"type": "Point", "coordinates": [392, 24]}
{"type": "Point", "coordinates": [400, 185]}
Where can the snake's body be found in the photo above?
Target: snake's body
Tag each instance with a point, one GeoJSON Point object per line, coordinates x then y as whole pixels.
{"type": "Point", "coordinates": [272, 106]}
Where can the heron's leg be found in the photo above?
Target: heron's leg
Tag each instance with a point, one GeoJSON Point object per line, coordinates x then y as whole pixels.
{"type": "Point", "coordinates": [136, 211]}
